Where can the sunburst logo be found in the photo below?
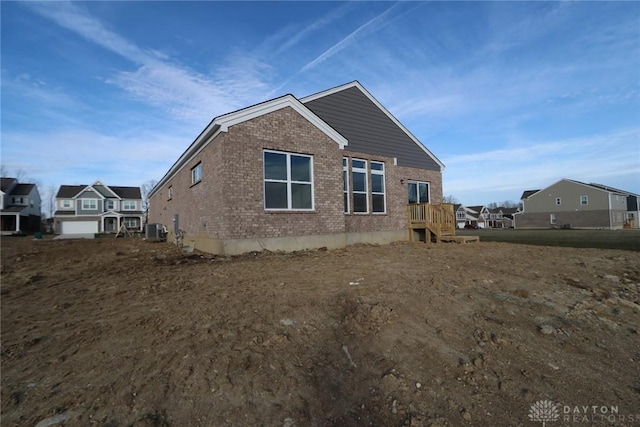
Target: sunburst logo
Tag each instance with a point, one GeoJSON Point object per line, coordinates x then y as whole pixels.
{"type": "Point", "coordinates": [544, 411]}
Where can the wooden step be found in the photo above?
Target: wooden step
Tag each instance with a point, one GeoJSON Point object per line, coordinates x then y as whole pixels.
{"type": "Point", "coordinates": [460, 239]}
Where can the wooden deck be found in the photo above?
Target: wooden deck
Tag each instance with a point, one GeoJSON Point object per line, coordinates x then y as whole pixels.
{"type": "Point", "coordinates": [434, 223]}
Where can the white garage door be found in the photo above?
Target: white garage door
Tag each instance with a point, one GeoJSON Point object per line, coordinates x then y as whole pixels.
{"type": "Point", "coordinates": [79, 227]}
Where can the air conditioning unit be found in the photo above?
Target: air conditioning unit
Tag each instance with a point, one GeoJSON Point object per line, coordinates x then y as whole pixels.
{"type": "Point", "coordinates": [155, 232]}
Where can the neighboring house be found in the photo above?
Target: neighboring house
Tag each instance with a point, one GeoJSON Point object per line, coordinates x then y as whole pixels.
{"type": "Point", "coordinates": [474, 217]}
{"type": "Point", "coordinates": [20, 207]}
{"type": "Point", "coordinates": [508, 216]}
{"type": "Point", "coordinates": [484, 217]}
{"type": "Point", "coordinates": [568, 203]}
{"type": "Point", "coordinates": [327, 170]}
{"type": "Point", "coordinates": [466, 217]}
{"type": "Point", "coordinates": [97, 208]}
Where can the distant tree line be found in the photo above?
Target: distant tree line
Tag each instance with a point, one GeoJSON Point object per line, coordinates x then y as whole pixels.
{"type": "Point", "coordinates": [493, 205]}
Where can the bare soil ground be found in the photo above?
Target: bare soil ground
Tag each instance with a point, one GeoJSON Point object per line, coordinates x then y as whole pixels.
{"type": "Point", "coordinates": [122, 332]}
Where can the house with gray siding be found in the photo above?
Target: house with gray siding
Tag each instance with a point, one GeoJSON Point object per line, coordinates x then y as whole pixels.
{"type": "Point", "coordinates": [20, 207]}
{"type": "Point", "coordinates": [327, 170]}
{"type": "Point", "coordinates": [97, 208]}
{"type": "Point", "coordinates": [573, 204]}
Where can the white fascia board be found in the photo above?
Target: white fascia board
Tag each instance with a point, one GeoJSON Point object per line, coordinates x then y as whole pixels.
{"type": "Point", "coordinates": [357, 84]}
{"type": "Point", "coordinates": [89, 187]}
{"type": "Point", "coordinates": [110, 190]}
{"type": "Point", "coordinates": [277, 104]}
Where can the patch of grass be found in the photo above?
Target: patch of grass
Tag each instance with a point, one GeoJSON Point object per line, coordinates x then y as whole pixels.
{"type": "Point", "coordinates": [628, 240]}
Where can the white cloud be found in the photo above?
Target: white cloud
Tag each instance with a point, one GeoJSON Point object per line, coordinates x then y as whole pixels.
{"type": "Point", "coordinates": [495, 175]}
{"type": "Point", "coordinates": [368, 28]}
{"type": "Point", "coordinates": [160, 81]}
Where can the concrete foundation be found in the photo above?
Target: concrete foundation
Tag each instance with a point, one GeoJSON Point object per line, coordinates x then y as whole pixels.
{"type": "Point", "coordinates": [289, 244]}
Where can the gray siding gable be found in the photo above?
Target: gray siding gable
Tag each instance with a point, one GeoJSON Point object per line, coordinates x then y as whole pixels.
{"type": "Point", "coordinates": [368, 128]}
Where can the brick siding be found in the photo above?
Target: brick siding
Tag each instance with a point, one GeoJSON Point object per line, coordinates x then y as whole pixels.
{"type": "Point", "coordinates": [228, 203]}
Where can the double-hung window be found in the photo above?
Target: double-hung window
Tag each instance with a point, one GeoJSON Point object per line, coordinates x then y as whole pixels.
{"type": "Point", "coordinates": [129, 205]}
{"type": "Point", "coordinates": [584, 200]}
{"type": "Point", "coordinates": [377, 188]}
{"type": "Point", "coordinates": [89, 204]}
{"type": "Point", "coordinates": [109, 205]}
{"type": "Point", "coordinates": [131, 222]}
{"type": "Point", "coordinates": [66, 204]}
{"type": "Point", "coordinates": [418, 192]}
{"type": "Point", "coordinates": [359, 184]}
{"type": "Point", "coordinates": [288, 181]}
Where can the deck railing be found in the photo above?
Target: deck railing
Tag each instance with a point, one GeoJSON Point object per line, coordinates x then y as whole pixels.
{"type": "Point", "coordinates": [439, 219]}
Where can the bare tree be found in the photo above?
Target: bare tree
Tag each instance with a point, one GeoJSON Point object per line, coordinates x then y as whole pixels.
{"type": "Point", "coordinates": [146, 188]}
{"type": "Point", "coordinates": [49, 200]}
{"type": "Point", "coordinates": [450, 199]}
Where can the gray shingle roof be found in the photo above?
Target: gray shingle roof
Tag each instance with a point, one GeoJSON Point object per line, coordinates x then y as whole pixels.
{"type": "Point", "coordinates": [70, 191]}
{"type": "Point", "coordinates": [6, 183]}
{"type": "Point", "coordinates": [528, 193]}
{"type": "Point", "coordinates": [22, 189]}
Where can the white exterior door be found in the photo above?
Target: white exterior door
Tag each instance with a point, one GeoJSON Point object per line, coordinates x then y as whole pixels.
{"type": "Point", "coordinates": [79, 227]}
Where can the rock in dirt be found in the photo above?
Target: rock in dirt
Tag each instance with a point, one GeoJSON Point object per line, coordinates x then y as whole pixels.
{"type": "Point", "coordinates": [287, 322]}
{"type": "Point", "coordinates": [56, 419]}
{"type": "Point", "coordinates": [546, 329]}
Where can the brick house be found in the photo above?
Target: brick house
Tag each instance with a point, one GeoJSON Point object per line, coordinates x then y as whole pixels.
{"type": "Point", "coordinates": [327, 170]}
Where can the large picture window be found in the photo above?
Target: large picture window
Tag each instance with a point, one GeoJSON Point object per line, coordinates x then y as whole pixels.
{"type": "Point", "coordinates": [359, 185]}
{"type": "Point", "coordinates": [288, 181]}
{"type": "Point", "coordinates": [418, 192]}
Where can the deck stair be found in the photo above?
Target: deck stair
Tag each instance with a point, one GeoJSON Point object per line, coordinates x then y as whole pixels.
{"type": "Point", "coordinates": [436, 222]}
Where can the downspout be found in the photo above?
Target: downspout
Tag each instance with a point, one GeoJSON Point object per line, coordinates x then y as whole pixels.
{"type": "Point", "coordinates": [610, 214]}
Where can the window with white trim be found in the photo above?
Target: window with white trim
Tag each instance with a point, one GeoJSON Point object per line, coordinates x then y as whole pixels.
{"type": "Point", "coordinates": [288, 181]}
{"type": "Point", "coordinates": [89, 204]}
{"type": "Point", "coordinates": [378, 203]}
{"type": "Point", "coordinates": [558, 201]}
{"type": "Point", "coordinates": [110, 205]}
{"type": "Point", "coordinates": [418, 192]}
{"type": "Point", "coordinates": [359, 185]}
{"type": "Point", "coordinates": [170, 193]}
{"type": "Point", "coordinates": [345, 183]}
{"type": "Point", "coordinates": [67, 204]}
{"type": "Point", "coordinates": [131, 222]}
{"type": "Point", "coordinates": [552, 219]}
{"type": "Point", "coordinates": [461, 215]}
{"type": "Point", "coordinates": [584, 200]}
{"type": "Point", "coordinates": [196, 173]}
{"type": "Point", "coordinates": [129, 205]}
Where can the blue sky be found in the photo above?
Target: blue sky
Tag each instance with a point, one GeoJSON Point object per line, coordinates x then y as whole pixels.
{"type": "Point", "coordinates": [509, 96]}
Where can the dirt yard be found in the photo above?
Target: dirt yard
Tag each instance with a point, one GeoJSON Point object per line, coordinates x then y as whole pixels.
{"type": "Point", "coordinates": [122, 332]}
